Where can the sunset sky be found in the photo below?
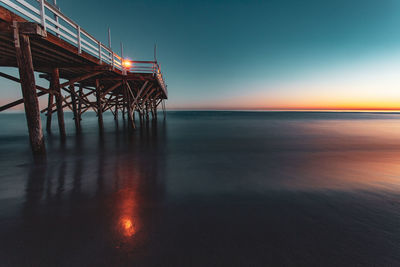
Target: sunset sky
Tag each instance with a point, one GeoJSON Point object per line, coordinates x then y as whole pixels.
{"type": "Point", "coordinates": [311, 54]}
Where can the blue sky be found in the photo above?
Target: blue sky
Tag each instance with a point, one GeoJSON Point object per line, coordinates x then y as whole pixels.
{"type": "Point", "coordinates": [256, 54]}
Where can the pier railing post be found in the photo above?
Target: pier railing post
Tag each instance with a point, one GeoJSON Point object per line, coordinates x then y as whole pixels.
{"type": "Point", "coordinates": [42, 14]}
{"type": "Point", "coordinates": [28, 86]}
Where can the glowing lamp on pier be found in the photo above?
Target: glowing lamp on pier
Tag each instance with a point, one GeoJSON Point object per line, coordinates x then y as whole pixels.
{"type": "Point", "coordinates": [127, 64]}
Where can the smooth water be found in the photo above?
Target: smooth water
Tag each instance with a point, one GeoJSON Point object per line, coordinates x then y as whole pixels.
{"type": "Point", "coordinates": [205, 189]}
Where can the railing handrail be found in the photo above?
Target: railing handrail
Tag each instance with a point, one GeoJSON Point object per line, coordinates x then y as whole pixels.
{"type": "Point", "coordinates": [80, 38]}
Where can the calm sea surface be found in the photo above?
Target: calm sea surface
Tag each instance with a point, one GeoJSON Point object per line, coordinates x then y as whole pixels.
{"type": "Point", "coordinates": [205, 189]}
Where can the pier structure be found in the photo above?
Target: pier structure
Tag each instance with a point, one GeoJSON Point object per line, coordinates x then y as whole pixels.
{"type": "Point", "coordinates": [83, 73]}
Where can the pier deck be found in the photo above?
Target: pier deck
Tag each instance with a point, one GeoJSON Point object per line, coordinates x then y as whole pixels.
{"type": "Point", "coordinates": [84, 74]}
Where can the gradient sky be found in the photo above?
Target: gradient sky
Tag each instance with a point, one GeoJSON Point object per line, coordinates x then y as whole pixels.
{"type": "Point", "coordinates": [280, 54]}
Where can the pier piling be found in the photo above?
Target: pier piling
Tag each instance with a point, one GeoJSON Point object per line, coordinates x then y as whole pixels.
{"type": "Point", "coordinates": [106, 81]}
{"type": "Point", "coordinates": [28, 86]}
{"type": "Point", "coordinates": [55, 82]}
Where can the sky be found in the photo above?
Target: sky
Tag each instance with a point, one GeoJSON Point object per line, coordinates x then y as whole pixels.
{"type": "Point", "coordinates": [279, 54]}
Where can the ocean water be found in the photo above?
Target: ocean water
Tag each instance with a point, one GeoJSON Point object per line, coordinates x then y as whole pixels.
{"type": "Point", "coordinates": [205, 189]}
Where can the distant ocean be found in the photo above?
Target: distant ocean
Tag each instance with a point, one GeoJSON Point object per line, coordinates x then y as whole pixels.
{"type": "Point", "coordinates": [205, 188]}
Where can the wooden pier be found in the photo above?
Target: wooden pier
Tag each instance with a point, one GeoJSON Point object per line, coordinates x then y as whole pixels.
{"type": "Point", "coordinates": [83, 73]}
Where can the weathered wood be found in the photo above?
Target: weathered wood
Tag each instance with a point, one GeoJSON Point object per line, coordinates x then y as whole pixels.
{"type": "Point", "coordinates": [28, 86]}
{"type": "Point", "coordinates": [49, 113]}
{"type": "Point", "coordinates": [155, 110]}
{"type": "Point", "coordinates": [109, 90]}
{"type": "Point", "coordinates": [99, 105]}
{"type": "Point", "coordinates": [55, 81]}
{"type": "Point", "coordinates": [75, 109]}
{"type": "Point", "coordinates": [80, 103]}
{"type": "Point", "coordinates": [149, 94]}
{"type": "Point", "coordinates": [139, 93]}
{"type": "Point", "coordinates": [32, 29]}
{"type": "Point", "coordinates": [18, 81]}
{"type": "Point", "coordinates": [80, 78]}
{"type": "Point", "coordinates": [147, 111]}
{"type": "Point", "coordinates": [17, 102]}
{"type": "Point", "coordinates": [124, 96]}
{"type": "Point", "coordinates": [116, 108]}
{"type": "Point", "coordinates": [129, 107]}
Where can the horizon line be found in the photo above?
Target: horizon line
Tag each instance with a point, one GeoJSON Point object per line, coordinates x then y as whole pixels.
{"type": "Point", "coordinates": [252, 110]}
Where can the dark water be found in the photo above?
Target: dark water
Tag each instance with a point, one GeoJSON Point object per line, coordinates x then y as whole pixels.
{"type": "Point", "coordinates": [205, 189]}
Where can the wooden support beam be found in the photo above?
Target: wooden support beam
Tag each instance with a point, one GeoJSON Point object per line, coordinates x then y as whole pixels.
{"type": "Point", "coordinates": [155, 109]}
{"type": "Point", "coordinates": [17, 102]}
{"type": "Point", "coordinates": [124, 96]}
{"type": "Point", "coordinates": [83, 97]}
{"type": "Point", "coordinates": [116, 108]}
{"type": "Point", "coordinates": [12, 78]}
{"type": "Point", "coordinates": [99, 105]}
{"type": "Point", "coordinates": [147, 111]}
{"type": "Point", "coordinates": [80, 103]}
{"type": "Point", "coordinates": [107, 103]}
{"type": "Point", "coordinates": [111, 89]}
{"type": "Point", "coordinates": [49, 114]}
{"type": "Point", "coordinates": [80, 78]}
{"type": "Point", "coordinates": [55, 81]}
{"type": "Point", "coordinates": [139, 93]}
{"type": "Point", "coordinates": [129, 107]}
{"type": "Point", "coordinates": [75, 109]}
{"type": "Point", "coordinates": [149, 94]}
{"type": "Point", "coordinates": [28, 86]}
{"type": "Point", "coordinates": [48, 109]}
{"type": "Point", "coordinates": [32, 29]}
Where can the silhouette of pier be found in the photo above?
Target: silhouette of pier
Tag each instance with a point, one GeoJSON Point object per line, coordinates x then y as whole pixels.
{"type": "Point", "coordinates": [83, 73]}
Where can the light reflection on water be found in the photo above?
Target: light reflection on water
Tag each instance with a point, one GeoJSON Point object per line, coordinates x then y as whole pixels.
{"type": "Point", "coordinates": [224, 187]}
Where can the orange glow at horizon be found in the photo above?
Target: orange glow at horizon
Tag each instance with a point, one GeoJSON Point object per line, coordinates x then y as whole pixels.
{"type": "Point", "coordinates": [263, 103]}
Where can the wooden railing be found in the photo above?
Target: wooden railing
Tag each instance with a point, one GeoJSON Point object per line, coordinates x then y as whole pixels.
{"type": "Point", "coordinates": [52, 20]}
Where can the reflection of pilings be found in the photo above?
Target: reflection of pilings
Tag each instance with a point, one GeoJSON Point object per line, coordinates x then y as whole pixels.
{"type": "Point", "coordinates": [77, 177]}
{"type": "Point", "coordinates": [163, 108]}
{"type": "Point", "coordinates": [34, 188]}
{"type": "Point", "coordinates": [100, 161]}
{"type": "Point", "coordinates": [61, 180]}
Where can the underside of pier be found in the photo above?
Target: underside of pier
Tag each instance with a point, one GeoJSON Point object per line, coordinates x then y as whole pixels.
{"type": "Point", "coordinates": [78, 80]}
